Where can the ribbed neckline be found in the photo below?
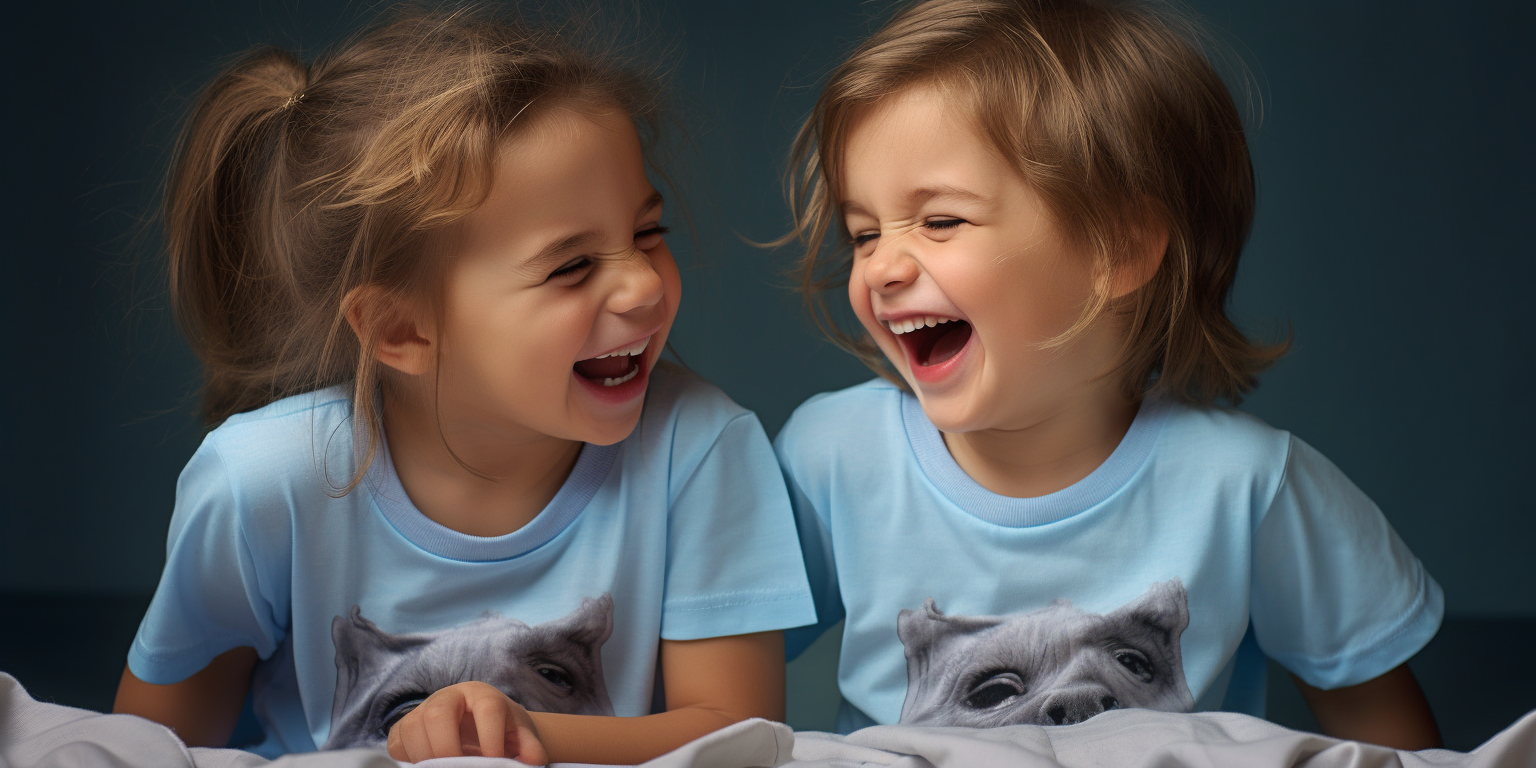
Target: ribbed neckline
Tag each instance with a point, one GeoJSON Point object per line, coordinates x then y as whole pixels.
{"type": "Point", "coordinates": [952, 481]}
{"type": "Point", "coordinates": [592, 467]}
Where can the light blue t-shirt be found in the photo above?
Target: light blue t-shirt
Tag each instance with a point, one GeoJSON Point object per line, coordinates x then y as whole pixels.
{"type": "Point", "coordinates": [359, 605]}
{"type": "Point", "coordinates": [1207, 540]}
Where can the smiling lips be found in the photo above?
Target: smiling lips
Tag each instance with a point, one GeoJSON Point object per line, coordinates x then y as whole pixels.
{"type": "Point", "coordinates": [613, 368]}
{"type": "Point", "coordinates": [930, 340]}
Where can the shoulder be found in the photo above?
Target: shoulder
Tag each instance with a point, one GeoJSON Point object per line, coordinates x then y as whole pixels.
{"type": "Point", "coordinates": [828, 413]}
{"type": "Point", "coordinates": [860, 400]}
{"type": "Point", "coordinates": [681, 400]}
{"type": "Point", "coordinates": [832, 426]}
{"type": "Point", "coordinates": [303, 440]}
{"type": "Point", "coordinates": [1222, 438]}
{"type": "Point", "coordinates": [687, 420]}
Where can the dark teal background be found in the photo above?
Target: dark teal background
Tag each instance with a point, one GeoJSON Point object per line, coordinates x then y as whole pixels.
{"type": "Point", "coordinates": [1393, 145]}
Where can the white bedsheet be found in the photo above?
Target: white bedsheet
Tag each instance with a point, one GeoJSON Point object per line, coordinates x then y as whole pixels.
{"type": "Point", "coordinates": [35, 734]}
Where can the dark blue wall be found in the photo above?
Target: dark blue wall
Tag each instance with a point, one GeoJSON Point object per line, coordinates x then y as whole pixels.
{"type": "Point", "coordinates": [1393, 148]}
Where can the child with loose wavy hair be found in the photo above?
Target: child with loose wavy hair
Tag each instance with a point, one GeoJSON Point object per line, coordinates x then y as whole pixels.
{"type": "Point", "coordinates": [1045, 202]}
{"type": "Point", "coordinates": [454, 501]}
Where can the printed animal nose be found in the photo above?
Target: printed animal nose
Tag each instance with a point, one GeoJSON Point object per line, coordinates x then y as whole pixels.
{"type": "Point", "coordinates": [1076, 706]}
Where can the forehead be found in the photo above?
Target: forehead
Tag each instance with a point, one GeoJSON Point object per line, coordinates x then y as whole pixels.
{"type": "Point", "coordinates": [922, 138]}
{"type": "Point", "coordinates": [565, 171]}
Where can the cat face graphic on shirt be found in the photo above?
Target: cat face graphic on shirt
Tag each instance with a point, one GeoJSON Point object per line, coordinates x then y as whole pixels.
{"type": "Point", "coordinates": [1051, 666]}
{"type": "Point", "coordinates": [552, 667]}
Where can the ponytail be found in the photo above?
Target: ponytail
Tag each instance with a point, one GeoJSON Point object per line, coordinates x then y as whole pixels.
{"type": "Point", "coordinates": [291, 187]}
{"type": "Point", "coordinates": [226, 188]}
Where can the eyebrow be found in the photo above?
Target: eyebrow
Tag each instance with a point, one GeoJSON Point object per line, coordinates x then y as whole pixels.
{"type": "Point", "coordinates": [921, 195]}
{"type": "Point", "coordinates": [562, 247]}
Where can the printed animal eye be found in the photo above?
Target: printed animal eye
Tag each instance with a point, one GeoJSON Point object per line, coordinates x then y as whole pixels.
{"type": "Point", "coordinates": [399, 707]}
{"type": "Point", "coordinates": [1136, 663]}
{"type": "Point", "coordinates": [555, 675]}
{"type": "Point", "coordinates": [575, 266]}
{"type": "Point", "coordinates": [995, 689]}
{"type": "Point", "coordinates": [650, 237]}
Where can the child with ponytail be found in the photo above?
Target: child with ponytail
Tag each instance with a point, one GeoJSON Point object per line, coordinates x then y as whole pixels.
{"type": "Point", "coordinates": [454, 502]}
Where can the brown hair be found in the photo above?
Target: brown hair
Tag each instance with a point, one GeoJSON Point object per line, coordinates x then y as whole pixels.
{"type": "Point", "coordinates": [293, 185]}
{"type": "Point", "coordinates": [1112, 113]}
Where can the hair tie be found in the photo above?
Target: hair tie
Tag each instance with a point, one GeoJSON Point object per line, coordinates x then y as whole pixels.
{"type": "Point", "coordinates": [292, 100]}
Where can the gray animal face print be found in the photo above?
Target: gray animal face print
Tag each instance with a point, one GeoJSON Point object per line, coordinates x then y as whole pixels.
{"type": "Point", "coordinates": [381, 677]}
{"type": "Point", "coordinates": [1052, 666]}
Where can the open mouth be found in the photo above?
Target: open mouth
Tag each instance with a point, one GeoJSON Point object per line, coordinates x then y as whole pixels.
{"type": "Point", "coordinates": [931, 341]}
{"type": "Point", "coordinates": [613, 368]}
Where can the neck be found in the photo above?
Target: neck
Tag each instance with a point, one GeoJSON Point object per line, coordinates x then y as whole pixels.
{"type": "Point", "coordinates": [467, 479]}
{"type": "Point", "coordinates": [1049, 451]}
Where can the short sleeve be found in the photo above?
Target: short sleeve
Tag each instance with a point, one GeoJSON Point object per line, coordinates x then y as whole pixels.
{"type": "Point", "coordinates": [212, 596]}
{"type": "Point", "coordinates": [733, 560]}
{"type": "Point", "coordinates": [816, 546]}
{"type": "Point", "coordinates": [1337, 597]}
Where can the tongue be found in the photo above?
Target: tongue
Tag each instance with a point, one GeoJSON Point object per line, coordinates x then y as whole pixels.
{"type": "Point", "coordinates": [949, 343]}
{"type": "Point", "coordinates": [605, 368]}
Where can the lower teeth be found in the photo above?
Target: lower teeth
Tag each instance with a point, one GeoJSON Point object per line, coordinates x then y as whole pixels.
{"type": "Point", "coordinates": [622, 379]}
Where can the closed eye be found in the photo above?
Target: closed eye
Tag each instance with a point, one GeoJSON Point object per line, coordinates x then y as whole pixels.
{"type": "Point", "coordinates": [863, 238]}
{"type": "Point", "coordinates": [650, 237]}
{"type": "Point", "coordinates": [571, 268]}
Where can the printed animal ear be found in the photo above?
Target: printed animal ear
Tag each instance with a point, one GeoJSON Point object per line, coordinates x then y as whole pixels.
{"type": "Point", "coordinates": [357, 640]}
{"type": "Point", "coordinates": [588, 626]}
{"type": "Point", "coordinates": [1164, 608]}
{"type": "Point", "coordinates": [921, 630]}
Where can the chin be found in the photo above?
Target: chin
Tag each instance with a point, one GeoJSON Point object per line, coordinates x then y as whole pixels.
{"type": "Point", "coordinates": [609, 432]}
{"type": "Point", "coordinates": [952, 412]}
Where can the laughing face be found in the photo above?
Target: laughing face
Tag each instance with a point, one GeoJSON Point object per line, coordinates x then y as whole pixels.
{"type": "Point", "coordinates": [560, 290]}
{"type": "Point", "coordinates": [959, 273]}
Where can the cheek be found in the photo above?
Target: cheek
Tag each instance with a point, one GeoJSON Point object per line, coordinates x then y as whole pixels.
{"type": "Point", "coordinates": [1032, 300]}
{"type": "Point", "coordinates": [671, 279]}
{"type": "Point", "coordinates": [858, 297]}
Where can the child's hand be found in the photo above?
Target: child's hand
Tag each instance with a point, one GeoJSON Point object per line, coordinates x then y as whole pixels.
{"type": "Point", "coordinates": [467, 719]}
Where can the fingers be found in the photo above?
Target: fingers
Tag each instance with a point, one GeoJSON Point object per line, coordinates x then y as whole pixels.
{"type": "Point", "coordinates": [431, 730]}
{"type": "Point", "coordinates": [408, 740]}
{"type": "Point", "coordinates": [490, 717]}
{"type": "Point", "coordinates": [467, 718]}
{"type": "Point", "coordinates": [441, 724]}
{"type": "Point", "coordinates": [530, 749]}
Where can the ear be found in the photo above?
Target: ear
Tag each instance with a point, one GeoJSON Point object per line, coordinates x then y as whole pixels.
{"type": "Point", "coordinates": [358, 641]}
{"type": "Point", "coordinates": [399, 331]}
{"type": "Point", "coordinates": [1163, 608]}
{"type": "Point", "coordinates": [589, 626]}
{"type": "Point", "coordinates": [921, 631]}
{"type": "Point", "coordinates": [1149, 246]}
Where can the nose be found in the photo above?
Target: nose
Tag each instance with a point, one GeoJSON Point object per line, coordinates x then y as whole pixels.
{"type": "Point", "coordinates": [889, 268]}
{"type": "Point", "coordinates": [639, 285]}
{"type": "Point", "coordinates": [1077, 704]}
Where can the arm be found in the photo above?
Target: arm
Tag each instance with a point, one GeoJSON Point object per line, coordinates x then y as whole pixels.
{"type": "Point", "coordinates": [201, 709]}
{"type": "Point", "coordinates": [709, 684]}
{"type": "Point", "coordinates": [1389, 710]}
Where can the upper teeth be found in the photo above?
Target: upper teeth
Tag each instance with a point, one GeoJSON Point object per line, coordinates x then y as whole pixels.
{"type": "Point", "coordinates": [635, 350]}
{"type": "Point", "coordinates": [910, 324]}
